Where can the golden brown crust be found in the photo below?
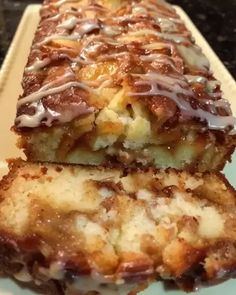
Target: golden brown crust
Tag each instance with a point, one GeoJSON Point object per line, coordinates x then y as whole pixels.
{"type": "Point", "coordinates": [118, 79]}
{"type": "Point", "coordinates": [59, 57]}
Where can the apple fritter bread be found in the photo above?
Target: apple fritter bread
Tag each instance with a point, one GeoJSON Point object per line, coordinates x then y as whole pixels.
{"type": "Point", "coordinates": [109, 230]}
{"type": "Point", "coordinates": [121, 81]}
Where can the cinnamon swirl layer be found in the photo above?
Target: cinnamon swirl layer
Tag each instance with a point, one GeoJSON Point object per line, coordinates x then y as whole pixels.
{"type": "Point", "coordinates": [114, 231]}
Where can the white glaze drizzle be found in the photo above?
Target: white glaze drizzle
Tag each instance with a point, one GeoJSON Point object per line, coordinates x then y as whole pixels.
{"type": "Point", "coordinates": [160, 58]}
{"type": "Point", "coordinates": [111, 30]}
{"type": "Point", "coordinates": [90, 47]}
{"type": "Point", "coordinates": [139, 10]}
{"type": "Point", "coordinates": [191, 54]}
{"type": "Point", "coordinates": [172, 37]}
{"type": "Point", "coordinates": [176, 20]}
{"type": "Point", "coordinates": [53, 37]}
{"type": "Point", "coordinates": [53, 18]}
{"type": "Point", "coordinates": [150, 7]}
{"type": "Point", "coordinates": [85, 28]}
{"type": "Point", "coordinates": [221, 103]}
{"type": "Point", "coordinates": [215, 122]}
{"type": "Point", "coordinates": [196, 79]}
{"type": "Point", "coordinates": [113, 55]}
{"type": "Point", "coordinates": [95, 7]}
{"type": "Point", "coordinates": [167, 25]}
{"type": "Point", "coordinates": [61, 2]}
{"type": "Point", "coordinates": [165, 81]}
{"type": "Point", "coordinates": [102, 40]}
{"type": "Point", "coordinates": [36, 96]}
{"type": "Point", "coordinates": [194, 57]}
{"type": "Point", "coordinates": [215, 94]}
{"type": "Point", "coordinates": [38, 65]}
{"type": "Point", "coordinates": [159, 45]}
{"type": "Point", "coordinates": [69, 23]}
{"type": "Point", "coordinates": [81, 61]}
{"type": "Point", "coordinates": [49, 116]}
{"type": "Point", "coordinates": [60, 14]}
{"type": "Point", "coordinates": [32, 121]}
{"type": "Point", "coordinates": [211, 85]}
{"type": "Point", "coordinates": [166, 4]}
{"type": "Point", "coordinates": [106, 83]}
{"type": "Point", "coordinates": [88, 27]}
{"type": "Point", "coordinates": [123, 18]}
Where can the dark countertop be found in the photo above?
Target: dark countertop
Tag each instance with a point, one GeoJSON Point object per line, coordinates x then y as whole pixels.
{"type": "Point", "coordinates": [214, 18]}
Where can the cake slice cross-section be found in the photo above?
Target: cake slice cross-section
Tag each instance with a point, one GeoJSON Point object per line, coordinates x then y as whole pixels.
{"type": "Point", "coordinates": [121, 81]}
{"type": "Point", "coordinates": [93, 230]}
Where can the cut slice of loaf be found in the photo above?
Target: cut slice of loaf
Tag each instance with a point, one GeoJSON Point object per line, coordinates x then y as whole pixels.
{"type": "Point", "coordinates": [113, 231]}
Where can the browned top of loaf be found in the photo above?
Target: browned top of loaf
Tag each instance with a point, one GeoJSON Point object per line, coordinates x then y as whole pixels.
{"type": "Point", "coordinates": [141, 47]}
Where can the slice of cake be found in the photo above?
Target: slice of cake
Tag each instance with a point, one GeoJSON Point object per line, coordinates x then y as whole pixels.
{"type": "Point", "coordinates": [82, 230]}
{"type": "Point", "coordinates": [121, 81]}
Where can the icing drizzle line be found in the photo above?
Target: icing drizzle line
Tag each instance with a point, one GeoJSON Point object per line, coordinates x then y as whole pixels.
{"type": "Point", "coordinates": [174, 88]}
{"type": "Point", "coordinates": [170, 37]}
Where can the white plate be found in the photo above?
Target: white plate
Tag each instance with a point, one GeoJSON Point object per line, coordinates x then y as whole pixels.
{"type": "Point", "coordinates": [10, 88]}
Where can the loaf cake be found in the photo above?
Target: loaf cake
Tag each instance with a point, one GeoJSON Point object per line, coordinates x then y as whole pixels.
{"type": "Point", "coordinates": [123, 82]}
{"type": "Point", "coordinates": [121, 87]}
{"type": "Point", "coordinates": [82, 230]}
